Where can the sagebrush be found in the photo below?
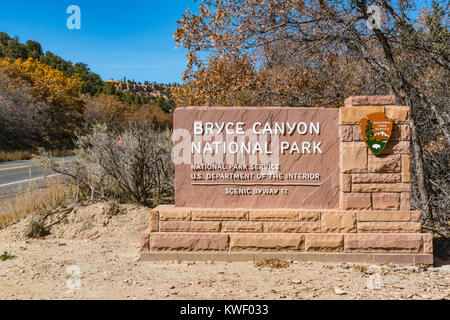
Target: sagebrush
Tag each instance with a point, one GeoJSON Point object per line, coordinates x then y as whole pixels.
{"type": "Point", "coordinates": [133, 165]}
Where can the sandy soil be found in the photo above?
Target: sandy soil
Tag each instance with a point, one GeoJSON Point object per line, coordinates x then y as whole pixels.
{"type": "Point", "coordinates": [102, 241]}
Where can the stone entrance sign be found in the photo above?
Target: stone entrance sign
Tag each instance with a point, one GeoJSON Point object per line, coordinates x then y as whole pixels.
{"type": "Point", "coordinates": [291, 183]}
{"type": "Point", "coordinates": [264, 157]}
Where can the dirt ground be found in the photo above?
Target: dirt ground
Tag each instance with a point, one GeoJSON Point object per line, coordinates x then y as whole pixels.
{"type": "Point", "coordinates": [93, 253]}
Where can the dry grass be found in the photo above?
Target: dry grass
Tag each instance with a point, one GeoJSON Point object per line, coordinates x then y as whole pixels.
{"type": "Point", "coordinates": [15, 156]}
{"type": "Point", "coordinates": [33, 200]}
{"type": "Point", "coordinates": [360, 268]}
{"type": "Point", "coordinates": [272, 263]}
{"type": "Point", "coordinates": [28, 155]}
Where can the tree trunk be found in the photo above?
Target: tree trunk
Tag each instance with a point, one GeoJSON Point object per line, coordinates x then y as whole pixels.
{"type": "Point", "coordinates": [418, 164]}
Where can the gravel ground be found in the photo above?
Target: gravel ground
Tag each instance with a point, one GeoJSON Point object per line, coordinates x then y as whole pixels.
{"type": "Point", "coordinates": [88, 256]}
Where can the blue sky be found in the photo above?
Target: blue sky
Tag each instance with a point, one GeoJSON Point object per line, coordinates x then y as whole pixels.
{"type": "Point", "coordinates": [132, 39]}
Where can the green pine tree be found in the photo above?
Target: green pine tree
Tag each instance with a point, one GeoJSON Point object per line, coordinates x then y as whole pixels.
{"type": "Point", "coordinates": [369, 132]}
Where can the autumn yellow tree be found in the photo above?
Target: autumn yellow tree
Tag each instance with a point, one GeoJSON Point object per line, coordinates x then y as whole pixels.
{"type": "Point", "coordinates": [47, 83]}
{"type": "Point", "coordinates": [59, 93]}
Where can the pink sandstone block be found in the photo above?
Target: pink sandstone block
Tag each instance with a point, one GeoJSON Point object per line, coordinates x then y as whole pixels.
{"type": "Point", "coordinates": [405, 132]}
{"type": "Point", "coordinates": [242, 226]}
{"type": "Point", "coordinates": [291, 227]}
{"type": "Point", "coordinates": [189, 226]}
{"type": "Point", "coordinates": [356, 201]}
{"type": "Point", "coordinates": [324, 243]}
{"type": "Point", "coordinates": [400, 114]}
{"type": "Point", "coordinates": [353, 157]}
{"type": "Point", "coordinates": [357, 134]}
{"type": "Point", "coordinates": [145, 241]}
{"type": "Point", "coordinates": [167, 213]}
{"type": "Point", "coordinates": [402, 259]}
{"type": "Point", "coordinates": [274, 215]}
{"type": "Point", "coordinates": [188, 242]}
{"type": "Point", "coordinates": [396, 147]}
{"type": "Point", "coordinates": [393, 227]}
{"type": "Point", "coordinates": [406, 174]}
{"type": "Point", "coordinates": [154, 221]}
{"type": "Point", "coordinates": [383, 242]}
{"type": "Point", "coordinates": [428, 243]}
{"type": "Point", "coordinates": [345, 133]}
{"type": "Point", "coordinates": [405, 203]}
{"type": "Point", "coordinates": [350, 115]}
{"type": "Point", "coordinates": [387, 216]}
{"type": "Point", "coordinates": [219, 214]}
{"type": "Point", "coordinates": [416, 216]}
{"type": "Point", "coordinates": [309, 216]}
{"type": "Point", "coordinates": [267, 241]}
{"type": "Point", "coordinates": [370, 100]}
{"type": "Point", "coordinates": [338, 222]}
{"type": "Point", "coordinates": [376, 177]}
{"type": "Point", "coordinates": [386, 201]}
{"type": "Point", "coordinates": [381, 187]}
{"type": "Point", "coordinates": [346, 182]}
{"type": "Point", "coordinates": [384, 163]}
{"type": "Point", "coordinates": [423, 259]}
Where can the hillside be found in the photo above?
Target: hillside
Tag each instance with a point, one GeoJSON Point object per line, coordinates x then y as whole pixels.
{"type": "Point", "coordinates": [128, 92]}
{"type": "Point", "coordinates": [132, 92]}
{"type": "Point", "coordinates": [45, 100]}
{"type": "Point", "coordinates": [149, 90]}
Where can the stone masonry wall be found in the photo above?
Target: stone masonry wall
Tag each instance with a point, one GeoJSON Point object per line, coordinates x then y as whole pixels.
{"type": "Point", "coordinates": [353, 235]}
{"type": "Point", "coordinates": [374, 223]}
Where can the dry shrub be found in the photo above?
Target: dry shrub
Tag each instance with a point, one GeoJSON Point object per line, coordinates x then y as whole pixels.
{"type": "Point", "coordinates": [273, 263]}
{"type": "Point", "coordinates": [360, 268]}
{"type": "Point", "coordinates": [133, 166]}
{"type": "Point", "coordinates": [437, 165]}
{"type": "Point", "coordinates": [153, 113]}
{"type": "Point", "coordinates": [31, 200]}
{"type": "Point", "coordinates": [36, 229]}
{"type": "Point", "coordinates": [110, 111]}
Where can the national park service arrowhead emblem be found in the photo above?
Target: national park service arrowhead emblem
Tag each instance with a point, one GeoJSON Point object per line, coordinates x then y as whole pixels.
{"type": "Point", "coordinates": [376, 130]}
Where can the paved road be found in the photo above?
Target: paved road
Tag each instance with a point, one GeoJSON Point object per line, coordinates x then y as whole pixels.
{"type": "Point", "coordinates": [16, 175]}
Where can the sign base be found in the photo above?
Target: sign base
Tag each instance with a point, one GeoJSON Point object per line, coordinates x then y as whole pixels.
{"type": "Point", "coordinates": [202, 234]}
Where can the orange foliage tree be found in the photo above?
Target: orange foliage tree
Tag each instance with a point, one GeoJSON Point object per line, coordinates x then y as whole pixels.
{"type": "Point", "coordinates": [317, 52]}
{"type": "Point", "coordinates": [59, 93]}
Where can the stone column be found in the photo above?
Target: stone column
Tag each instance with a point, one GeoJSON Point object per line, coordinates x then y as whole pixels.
{"type": "Point", "coordinates": [367, 181]}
